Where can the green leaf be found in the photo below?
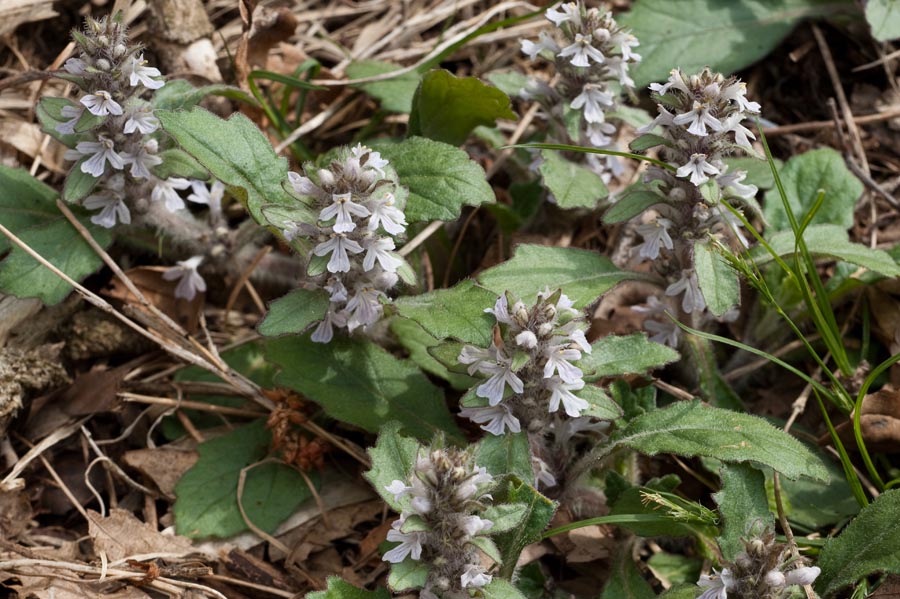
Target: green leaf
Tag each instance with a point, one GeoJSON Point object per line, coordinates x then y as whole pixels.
{"type": "Point", "coordinates": [681, 591]}
{"type": "Point", "coordinates": [884, 19]}
{"type": "Point", "coordinates": [294, 312]}
{"type": "Point", "coordinates": [626, 582]}
{"type": "Point", "coordinates": [207, 504]}
{"type": "Point", "coordinates": [634, 201]}
{"type": "Point", "coordinates": [501, 589]}
{"type": "Point", "coordinates": [582, 275]}
{"type": "Point", "coordinates": [446, 107]}
{"type": "Point", "coordinates": [631, 501]}
{"type": "Point", "coordinates": [540, 511]}
{"type": "Point", "coordinates": [178, 94]}
{"type": "Point", "coordinates": [408, 574]}
{"type": "Point", "coordinates": [601, 405]}
{"type": "Point", "coordinates": [722, 34]}
{"type": "Point", "coordinates": [78, 183]}
{"type": "Point", "coordinates": [742, 502]}
{"type": "Point", "coordinates": [616, 355]}
{"type": "Point", "coordinates": [24, 202]}
{"type": "Point", "coordinates": [395, 94]}
{"type": "Point", "coordinates": [505, 454]}
{"type": "Point", "coordinates": [510, 83]}
{"type": "Point", "coordinates": [60, 244]}
{"type": "Point", "coordinates": [832, 242]}
{"type": "Point", "coordinates": [573, 185]}
{"type": "Point", "coordinates": [49, 113]}
{"type": "Point", "coordinates": [868, 544]}
{"type": "Point", "coordinates": [674, 568]}
{"type": "Point", "coordinates": [418, 342]}
{"type": "Point", "coordinates": [688, 428]}
{"type": "Point", "coordinates": [803, 177]}
{"type": "Point", "coordinates": [812, 505]}
{"type": "Point", "coordinates": [505, 517]}
{"type": "Point", "coordinates": [488, 547]}
{"type": "Point", "coordinates": [178, 163]}
{"type": "Point", "coordinates": [339, 588]}
{"type": "Point", "coordinates": [358, 382]}
{"type": "Point", "coordinates": [236, 153]}
{"type": "Point", "coordinates": [758, 171]}
{"type": "Point", "coordinates": [441, 178]}
{"type": "Point", "coordinates": [719, 282]}
{"type": "Point", "coordinates": [457, 312]}
{"type": "Point", "coordinates": [647, 141]}
{"type": "Point", "coordinates": [393, 458]}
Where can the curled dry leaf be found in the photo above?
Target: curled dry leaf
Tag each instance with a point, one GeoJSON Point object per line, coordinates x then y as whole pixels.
{"type": "Point", "coordinates": [121, 535]}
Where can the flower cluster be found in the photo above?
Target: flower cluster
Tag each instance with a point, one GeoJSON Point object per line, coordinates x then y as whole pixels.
{"type": "Point", "coordinates": [758, 572]}
{"type": "Point", "coordinates": [360, 213]}
{"type": "Point", "coordinates": [591, 54]}
{"type": "Point", "coordinates": [701, 121]}
{"type": "Point", "coordinates": [533, 378]}
{"type": "Point", "coordinates": [445, 496]}
{"type": "Point", "coordinates": [116, 131]}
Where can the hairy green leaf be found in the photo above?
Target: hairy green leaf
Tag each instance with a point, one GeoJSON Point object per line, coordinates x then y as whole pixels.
{"type": "Point", "coordinates": [540, 511]}
{"type": "Point", "coordinates": [294, 312]}
{"type": "Point", "coordinates": [573, 185]}
{"type": "Point", "coordinates": [625, 354]}
{"type": "Point", "coordinates": [742, 502]}
{"type": "Point", "coordinates": [501, 589]}
{"type": "Point", "coordinates": [719, 282]}
{"type": "Point", "coordinates": [395, 94]}
{"type": "Point", "coordinates": [884, 19]}
{"type": "Point", "coordinates": [339, 588]}
{"type": "Point", "coordinates": [24, 202]}
{"type": "Point", "coordinates": [457, 312]}
{"type": "Point", "coordinates": [393, 458]}
{"type": "Point", "coordinates": [626, 581]}
{"type": "Point", "coordinates": [505, 454]}
{"type": "Point", "coordinates": [418, 342]}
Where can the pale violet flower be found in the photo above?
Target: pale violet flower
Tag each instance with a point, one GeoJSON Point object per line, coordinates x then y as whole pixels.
{"type": "Point", "coordinates": [558, 360]}
{"type": "Point", "coordinates": [101, 104]}
{"type": "Point", "coordinates": [544, 476]}
{"type": "Point", "coordinates": [737, 93]}
{"type": "Point", "coordinates": [600, 135]}
{"type": "Point", "coordinates": [364, 308]}
{"type": "Point", "coordinates": [493, 419]}
{"type": "Point", "coordinates": [138, 73]}
{"type": "Point", "coordinates": [663, 332]}
{"type": "Point", "coordinates": [338, 246]}
{"type": "Point", "coordinates": [304, 185]}
{"type": "Point", "coordinates": [398, 489]}
{"type": "Point", "coordinates": [325, 330]}
{"type": "Point", "coordinates": [473, 525]}
{"type": "Point", "coordinates": [545, 42]}
{"type": "Point", "coordinates": [562, 392]}
{"type": "Point", "coordinates": [501, 376]}
{"type": "Point", "coordinates": [100, 152]}
{"type": "Point", "coordinates": [378, 248]}
{"type": "Point", "coordinates": [410, 543]}
{"type": "Point", "coordinates": [717, 585]}
{"type": "Point", "coordinates": [474, 576]}
{"type": "Point", "coordinates": [733, 180]}
{"type": "Point", "coordinates": [742, 135]}
{"type": "Point", "coordinates": [387, 215]}
{"type": "Point", "coordinates": [343, 209]}
{"type": "Point", "coordinates": [141, 119]}
{"type": "Point", "coordinates": [189, 280]}
{"type": "Point", "coordinates": [166, 191]}
{"type": "Point", "coordinates": [581, 50]}
{"type": "Point", "coordinates": [75, 66]}
{"type": "Point", "coordinates": [475, 357]}
{"type": "Point", "coordinates": [210, 196]}
{"type": "Point", "coordinates": [527, 339]}
{"type": "Point", "coordinates": [803, 575]}
{"type": "Point", "coordinates": [693, 297]}
{"type": "Point", "coordinates": [595, 102]}
{"type": "Point", "coordinates": [656, 235]}
{"type": "Point", "coordinates": [698, 169]}
{"type": "Point", "coordinates": [569, 12]}
{"type": "Point", "coordinates": [142, 161]}
{"type": "Point", "coordinates": [112, 210]}
{"type": "Point", "coordinates": [698, 119]}
{"type": "Point", "coordinates": [73, 113]}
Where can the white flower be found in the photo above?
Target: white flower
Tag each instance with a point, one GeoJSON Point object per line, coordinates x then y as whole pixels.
{"type": "Point", "coordinates": [142, 161]}
{"type": "Point", "coordinates": [343, 209]}
{"type": "Point", "coordinates": [387, 215]}
{"type": "Point", "coordinates": [693, 298]}
{"type": "Point", "coordinates": [474, 576]}
{"type": "Point", "coordinates": [493, 419]}
{"type": "Point", "coordinates": [733, 181]}
{"type": "Point", "coordinates": [558, 360]}
{"type": "Point", "coordinates": [364, 307]}
{"type": "Point", "coordinates": [501, 375]}
{"type": "Point", "coordinates": [581, 50]}
{"type": "Point", "coordinates": [737, 92]}
{"type": "Point", "coordinates": [75, 66]}
{"type": "Point", "coordinates": [474, 525]}
{"type": "Point", "coordinates": [469, 487]}
{"type": "Point", "coordinates": [337, 290]}
{"type": "Point", "coordinates": [665, 118]}
{"type": "Point", "coordinates": [600, 135]}
{"type": "Point", "coordinates": [377, 248]}
{"type": "Point", "coordinates": [422, 505]}
{"type": "Point", "coordinates": [500, 310]}
{"type": "Point", "coordinates": [410, 543]}
{"type": "Point", "coordinates": [593, 100]}
{"type": "Point", "coordinates": [698, 119]}
{"type": "Point", "coordinates": [698, 169]}
{"type": "Point", "coordinates": [325, 332]}
{"type": "Point", "coordinates": [101, 104]}
{"type": "Point", "coordinates": [803, 575]}
{"type": "Point", "coordinates": [655, 234]}
{"type": "Point", "coordinates": [578, 338]}
{"type": "Point", "coordinates": [338, 246]}
{"type": "Point", "coordinates": [374, 161]}
{"type": "Point", "coordinates": [112, 207]}
{"type": "Point", "coordinates": [619, 67]}
{"type": "Point", "coordinates": [210, 196]}
{"type": "Point", "coordinates": [569, 13]}
{"type": "Point", "coordinates": [717, 585]}
{"type": "Point", "coordinates": [774, 578]}
{"type": "Point", "coordinates": [664, 332]}
{"type": "Point", "coordinates": [545, 42]}
{"type": "Point", "coordinates": [166, 191]}
{"type": "Point", "coordinates": [100, 153]}
{"type": "Point", "coordinates": [138, 73]}
{"type": "Point", "coordinates": [560, 391]}
{"type": "Point", "coordinates": [73, 113]}
{"type": "Point", "coordinates": [475, 357]}
{"type": "Point", "coordinates": [626, 42]}
{"type": "Point", "coordinates": [544, 477]}
{"type": "Point", "coordinates": [141, 119]}
{"type": "Point", "coordinates": [742, 135]}
{"type": "Point", "coordinates": [190, 282]}
{"type": "Point", "coordinates": [398, 489]}
{"type": "Point", "coordinates": [305, 186]}
{"type": "Point", "coordinates": [526, 339]}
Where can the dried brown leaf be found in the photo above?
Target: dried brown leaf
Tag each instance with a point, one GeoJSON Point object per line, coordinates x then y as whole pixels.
{"type": "Point", "coordinates": [122, 535]}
